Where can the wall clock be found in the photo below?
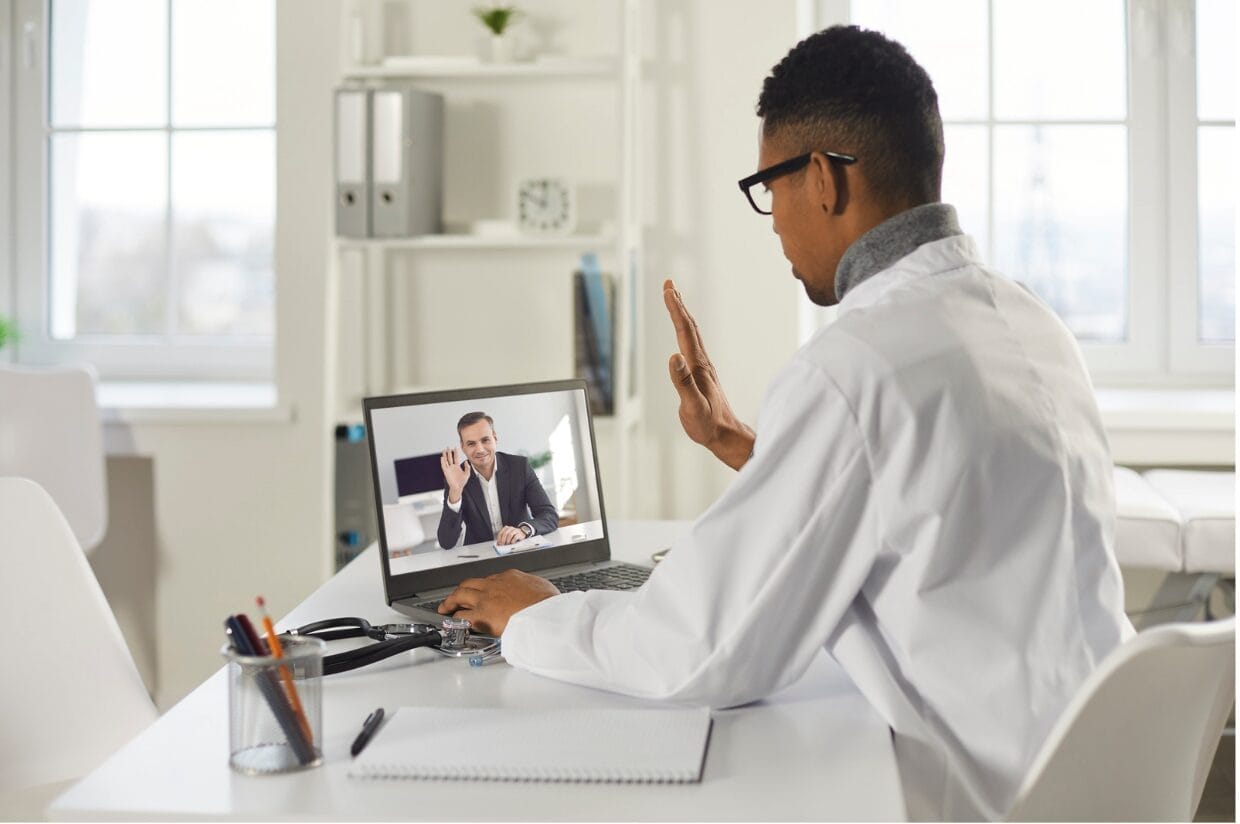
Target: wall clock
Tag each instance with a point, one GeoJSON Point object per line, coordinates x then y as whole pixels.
{"type": "Point", "coordinates": [545, 206]}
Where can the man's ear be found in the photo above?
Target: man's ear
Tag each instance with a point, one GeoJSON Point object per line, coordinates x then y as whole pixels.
{"type": "Point", "coordinates": [831, 182]}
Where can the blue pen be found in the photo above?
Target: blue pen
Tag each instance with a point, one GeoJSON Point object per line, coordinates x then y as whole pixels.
{"type": "Point", "coordinates": [236, 633]}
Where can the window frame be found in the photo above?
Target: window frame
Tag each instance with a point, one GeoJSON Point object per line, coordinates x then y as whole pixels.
{"type": "Point", "coordinates": [164, 356]}
{"type": "Point", "coordinates": [8, 59]}
{"type": "Point", "coordinates": [1186, 353]}
{"type": "Point", "coordinates": [1162, 348]}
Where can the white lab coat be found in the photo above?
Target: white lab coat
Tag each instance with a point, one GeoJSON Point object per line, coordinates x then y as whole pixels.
{"type": "Point", "coordinates": [930, 499]}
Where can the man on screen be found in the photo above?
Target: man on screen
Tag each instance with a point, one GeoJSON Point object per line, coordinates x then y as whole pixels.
{"type": "Point", "coordinates": [492, 495]}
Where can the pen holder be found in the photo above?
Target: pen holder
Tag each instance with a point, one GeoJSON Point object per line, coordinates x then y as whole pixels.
{"type": "Point", "coordinates": [275, 708]}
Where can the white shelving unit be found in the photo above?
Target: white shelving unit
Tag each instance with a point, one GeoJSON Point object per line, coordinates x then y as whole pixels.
{"type": "Point", "coordinates": [448, 242]}
{"type": "Point", "coordinates": [366, 329]}
{"type": "Point", "coordinates": [424, 68]}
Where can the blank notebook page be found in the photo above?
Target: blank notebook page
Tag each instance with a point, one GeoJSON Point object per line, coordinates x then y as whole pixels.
{"type": "Point", "coordinates": [539, 745]}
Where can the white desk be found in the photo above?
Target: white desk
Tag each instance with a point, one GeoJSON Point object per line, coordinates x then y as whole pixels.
{"type": "Point", "coordinates": [431, 556]}
{"type": "Point", "coordinates": [814, 751]}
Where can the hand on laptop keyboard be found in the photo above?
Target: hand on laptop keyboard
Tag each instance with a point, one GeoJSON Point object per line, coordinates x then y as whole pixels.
{"type": "Point", "coordinates": [487, 603]}
{"type": "Point", "coordinates": [621, 577]}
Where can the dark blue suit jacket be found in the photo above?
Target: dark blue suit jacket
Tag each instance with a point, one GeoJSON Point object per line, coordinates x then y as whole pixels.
{"type": "Point", "coordinates": [521, 499]}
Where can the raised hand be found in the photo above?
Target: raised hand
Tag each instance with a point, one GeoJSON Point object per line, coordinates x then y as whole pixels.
{"type": "Point", "coordinates": [454, 474]}
{"type": "Point", "coordinates": [705, 414]}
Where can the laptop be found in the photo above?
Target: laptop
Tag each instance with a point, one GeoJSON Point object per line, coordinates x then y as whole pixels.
{"type": "Point", "coordinates": [541, 431]}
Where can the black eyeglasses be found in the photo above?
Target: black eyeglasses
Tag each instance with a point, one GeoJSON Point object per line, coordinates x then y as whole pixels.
{"type": "Point", "coordinates": [761, 199]}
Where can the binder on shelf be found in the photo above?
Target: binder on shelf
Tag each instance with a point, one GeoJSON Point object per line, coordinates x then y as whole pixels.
{"type": "Point", "coordinates": [352, 162]}
{"type": "Point", "coordinates": [406, 191]}
{"type": "Point", "coordinates": [595, 292]}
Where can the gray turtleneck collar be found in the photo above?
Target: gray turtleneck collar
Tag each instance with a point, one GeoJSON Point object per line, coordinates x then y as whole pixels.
{"type": "Point", "coordinates": [894, 238]}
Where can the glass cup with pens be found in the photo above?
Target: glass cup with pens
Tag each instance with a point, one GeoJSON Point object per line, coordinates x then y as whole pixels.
{"type": "Point", "coordinates": [275, 693]}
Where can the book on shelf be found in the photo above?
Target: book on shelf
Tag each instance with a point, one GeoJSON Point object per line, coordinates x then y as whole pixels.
{"type": "Point", "coordinates": [594, 303]}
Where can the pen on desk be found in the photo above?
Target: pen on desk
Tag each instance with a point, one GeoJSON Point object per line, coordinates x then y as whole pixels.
{"type": "Point", "coordinates": [467, 556]}
{"type": "Point", "coordinates": [277, 651]}
{"type": "Point", "coordinates": [369, 726]}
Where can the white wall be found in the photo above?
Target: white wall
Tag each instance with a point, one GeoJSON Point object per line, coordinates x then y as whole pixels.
{"type": "Point", "coordinates": [242, 508]}
{"type": "Point", "coordinates": [708, 63]}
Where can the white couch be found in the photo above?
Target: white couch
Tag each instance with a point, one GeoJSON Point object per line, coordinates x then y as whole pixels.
{"type": "Point", "coordinates": [1175, 540]}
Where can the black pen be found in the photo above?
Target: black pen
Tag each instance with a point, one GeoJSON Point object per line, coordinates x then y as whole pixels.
{"type": "Point", "coordinates": [369, 726]}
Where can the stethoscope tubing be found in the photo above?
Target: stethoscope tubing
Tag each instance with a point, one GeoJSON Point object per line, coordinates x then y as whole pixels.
{"type": "Point", "coordinates": [390, 639]}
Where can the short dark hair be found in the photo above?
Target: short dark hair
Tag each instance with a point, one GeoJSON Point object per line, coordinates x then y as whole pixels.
{"type": "Point", "coordinates": [847, 89]}
{"type": "Point", "coordinates": [471, 418]}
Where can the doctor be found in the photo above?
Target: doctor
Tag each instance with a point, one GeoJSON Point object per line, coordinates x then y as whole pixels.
{"type": "Point", "coordinates": [927, 494]}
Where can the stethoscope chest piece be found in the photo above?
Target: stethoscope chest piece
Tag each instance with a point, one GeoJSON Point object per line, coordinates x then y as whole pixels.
{"type": "Point", "coordinates": [458, 642]}
{"type": "Point", "coordinates": [475, 645]}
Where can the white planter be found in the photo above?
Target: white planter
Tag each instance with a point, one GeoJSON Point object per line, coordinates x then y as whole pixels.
{"type": "Point", "coordinates": [499, 48]}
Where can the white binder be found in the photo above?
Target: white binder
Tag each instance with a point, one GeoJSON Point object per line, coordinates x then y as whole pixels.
{"type": "Point", "coordinates": [353, 163]}
{"type": "Point", "coordinates": [406, 162]}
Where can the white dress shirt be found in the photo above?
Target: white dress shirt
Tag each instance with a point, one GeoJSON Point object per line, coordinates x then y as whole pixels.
{"type": "Point", "coordinates": [929, 498]}
{"type": "Point", "coordinates": [490, 491]}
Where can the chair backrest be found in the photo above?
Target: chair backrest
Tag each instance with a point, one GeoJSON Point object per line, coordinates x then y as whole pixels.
{"type": "Point", "coordinates": [50, 432]}
{"type": "Point", "coordinates": [70, 694]}
{"type": "Point", "coordinates": [1136, 742]}
{"type": "Point", "coordinates": [403, 525]}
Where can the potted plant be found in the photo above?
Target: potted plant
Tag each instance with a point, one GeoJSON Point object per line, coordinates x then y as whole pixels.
{"type": "Point", "coordinates": [8, 332]}
{"type": "Point", "coordinates": [497, 19]}
{"type": "Point", "coordinates": [540, 462]}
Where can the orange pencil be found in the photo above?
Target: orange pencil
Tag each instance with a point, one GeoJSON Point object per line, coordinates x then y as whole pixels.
{"type": "Point", "coordinates": [277, 651]}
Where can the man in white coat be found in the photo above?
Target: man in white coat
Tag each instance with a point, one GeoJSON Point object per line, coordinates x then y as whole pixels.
{"type": "Point", "coordinates": [927, 494]}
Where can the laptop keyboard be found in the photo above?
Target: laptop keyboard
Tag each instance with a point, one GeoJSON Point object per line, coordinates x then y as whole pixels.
{"type": "Point", "coordinates": [624, 576]}
{"type": "Point", "coordinates": [621, 576]}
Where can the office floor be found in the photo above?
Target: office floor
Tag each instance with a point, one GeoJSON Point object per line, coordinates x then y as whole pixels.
{"type": "Point", "coordinates": [1218, 799]}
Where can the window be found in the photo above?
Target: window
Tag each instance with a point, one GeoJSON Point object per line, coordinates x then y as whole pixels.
{"type": "Point", "coordinates": [1090, 154]}
{"type": "Point", "coordinates": [145, 145]}
{"type": "Point", "coordinates": [1210, 130]}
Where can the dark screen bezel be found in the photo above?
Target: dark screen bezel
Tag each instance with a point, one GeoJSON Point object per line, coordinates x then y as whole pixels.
{"type": "Point", "coordinates": [401, 587]}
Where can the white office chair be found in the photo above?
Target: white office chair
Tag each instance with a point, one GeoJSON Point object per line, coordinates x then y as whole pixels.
{"type": "Point", "coordinates": [70, 694]}
{"type": "Point", "coordinates": [403, 525]}
{"type": "Point", "coordinates": [1137, 741]}
{"type": "Point", "coordinates": [50, 432]}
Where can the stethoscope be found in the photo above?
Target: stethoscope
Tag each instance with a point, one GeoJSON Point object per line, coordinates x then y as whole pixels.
{"type": "Point", "coordinates": [452, 639]}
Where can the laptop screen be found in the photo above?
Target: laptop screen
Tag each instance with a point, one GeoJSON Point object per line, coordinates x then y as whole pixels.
{"type": "Point", "coordinates": [523, 455]}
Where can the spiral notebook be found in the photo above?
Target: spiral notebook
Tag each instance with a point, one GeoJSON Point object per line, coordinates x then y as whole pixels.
{"type": "Point", "coordinates": [605, 745]}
